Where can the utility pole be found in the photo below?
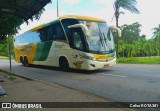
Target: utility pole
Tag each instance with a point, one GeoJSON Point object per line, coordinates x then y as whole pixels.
{"type": "Point", "coordinates": [57, 9]}
{"type": "Point", "coordinates": [9, 50]}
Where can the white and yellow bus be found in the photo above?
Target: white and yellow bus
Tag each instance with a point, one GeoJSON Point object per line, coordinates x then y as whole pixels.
{"type": "Point", "coordinates": [77, 42]}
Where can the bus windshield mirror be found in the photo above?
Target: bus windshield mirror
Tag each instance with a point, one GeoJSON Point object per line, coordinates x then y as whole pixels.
{"type": "Point", "coordinates": [118, 30]}
{"type": "Point", "coordinates": [82, 26]}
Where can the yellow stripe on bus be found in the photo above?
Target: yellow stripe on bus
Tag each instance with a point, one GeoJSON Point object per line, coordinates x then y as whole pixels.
{"type": "Point", "coordinates": [36, 28]}
{"type": "Point", "coordinates": [82, 17]}
{"type": "Point", "coordinates": [100, 56]}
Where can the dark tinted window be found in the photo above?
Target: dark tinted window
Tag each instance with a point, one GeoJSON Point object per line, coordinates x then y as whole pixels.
{"type": "Point", "coordinates": [68, 22]}
{"type": "Point", "coordinates": [52, 32]}
{"type": "Point", "coordinates": [58, 32]}
{"type": "Point", "coordinates": [43, 34]}
{"type": "Point", "coordinates": [75, 35]}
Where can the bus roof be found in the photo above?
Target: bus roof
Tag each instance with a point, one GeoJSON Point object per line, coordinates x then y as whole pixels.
{"type": "Point", "coordinates": [69, 16]}
{"type": "Point", "coordinates": [82, 18]}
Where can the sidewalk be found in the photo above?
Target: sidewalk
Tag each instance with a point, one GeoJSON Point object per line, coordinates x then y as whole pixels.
{"type": "Point", "coordinates": [24, 90]}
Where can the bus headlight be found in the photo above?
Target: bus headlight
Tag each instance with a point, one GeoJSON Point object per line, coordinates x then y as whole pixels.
{"type": "Point", "coordinates": [91, 58]}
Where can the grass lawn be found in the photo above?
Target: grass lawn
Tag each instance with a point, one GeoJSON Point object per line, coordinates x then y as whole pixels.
{"type": "Point", "coordinates": [139, 60]}
{"type": "Point", "coordinates": [5, 58]}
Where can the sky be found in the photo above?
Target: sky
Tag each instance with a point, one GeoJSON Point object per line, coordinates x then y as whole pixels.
{"type": "Point", "coordinates": [149, 16]}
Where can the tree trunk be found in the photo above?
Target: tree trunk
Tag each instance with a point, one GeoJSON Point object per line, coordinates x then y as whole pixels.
{"type": "Point", "coordinates": [117, 36]}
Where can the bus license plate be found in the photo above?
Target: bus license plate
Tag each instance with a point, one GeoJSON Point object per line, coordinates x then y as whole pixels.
{"type": "Point", "coordinates": [107, 65]}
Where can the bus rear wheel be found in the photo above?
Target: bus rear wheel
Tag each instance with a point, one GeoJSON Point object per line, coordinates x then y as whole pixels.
{"type": "Point", "coordinates": [25, 62]}
{"type": "Point", "coordinates": [63, 64]}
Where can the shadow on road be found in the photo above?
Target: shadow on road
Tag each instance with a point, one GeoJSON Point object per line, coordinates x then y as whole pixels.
{"type": "Point", "coordinates": [72, 70]}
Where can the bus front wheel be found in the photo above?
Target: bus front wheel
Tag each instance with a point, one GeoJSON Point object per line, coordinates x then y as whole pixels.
{"type": "Point", "coordinates": [63, 64]}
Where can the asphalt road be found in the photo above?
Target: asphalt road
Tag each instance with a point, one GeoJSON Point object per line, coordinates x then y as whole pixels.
{"type": "Point", "coordinates": [123, 82]}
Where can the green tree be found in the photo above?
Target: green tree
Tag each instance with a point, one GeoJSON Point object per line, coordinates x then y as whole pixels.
{"type": "Point", "coordinates": [131, 40]}
{"type": "Point", "coordinates": [137, 48]}
{"type": "Point", "coordinates": [4, 47]}
{"type": "Point", "coordinates": [122, 48]}
{"type": "Point", "coordinates": [156, 36]}
{"type": "Point", "coordinates": [9, 24]}
{"type": "Point", "coordinates": [156, 32]}
{"type": "Point", "coordinates": [142, 45]}
{"type": "Point", "coordinates": [131, 33]}
{"type": "Point", "coordinates": [129, 5]}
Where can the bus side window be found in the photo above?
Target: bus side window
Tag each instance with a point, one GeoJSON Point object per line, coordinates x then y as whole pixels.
{"type": "Point", "coordinates": [58, 32]}
{"type": "Point", "coordinates": [43, 34]}
{"type": "Point", "coordinates": [22, 39]}
{"type": "Point", "coordinates": [77, 40]}
{"type": "Point", "coordinates": [36, 37]}
{"type": "Point", "coordinates": [28, 38]}
{"type": "Point", "coordinates": [53, 32]}
{"type": "Point", "coordinates": [50, 33]}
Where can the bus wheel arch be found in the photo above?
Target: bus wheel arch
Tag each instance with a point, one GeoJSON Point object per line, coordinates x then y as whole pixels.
{"type": "Point", "coordinates": [63, 63]}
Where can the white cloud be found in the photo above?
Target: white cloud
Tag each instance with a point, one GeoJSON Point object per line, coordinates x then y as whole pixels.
{"type": "Point", "coordinates": [47, 16]}
{"type": "Point", "coordinates": [104, 2]}
{"type": "Point", "coordinates": [71, 2]}
{"type": "Point", "coordinates": [148, 17]}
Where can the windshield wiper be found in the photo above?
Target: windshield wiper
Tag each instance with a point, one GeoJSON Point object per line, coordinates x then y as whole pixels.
{"type": "Point", "coordinates": [106, 40]}
{"type": "Point", "coordinates": [101, 38]}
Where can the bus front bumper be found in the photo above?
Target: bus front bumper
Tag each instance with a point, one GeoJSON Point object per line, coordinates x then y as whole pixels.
{"type": "Point", "coordinates": [94, 65]}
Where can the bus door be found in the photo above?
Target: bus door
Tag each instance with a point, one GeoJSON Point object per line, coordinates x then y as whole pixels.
{"type": "Point", "coordinates": [78, 46]}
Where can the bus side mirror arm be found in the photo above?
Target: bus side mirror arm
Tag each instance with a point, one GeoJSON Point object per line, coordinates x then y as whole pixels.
{"type": "Point", "coordinates": [118, 29]}
{"type": "Point", "coordinates": [82, 26]}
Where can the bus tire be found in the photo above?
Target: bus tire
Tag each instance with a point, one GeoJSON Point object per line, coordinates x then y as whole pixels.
{"type": "Point", "coordinates": [21, 61]}
{"type": "Point", "coordinates": [63, 64]}
{"type": "Point", "coordinates": [25, 62]}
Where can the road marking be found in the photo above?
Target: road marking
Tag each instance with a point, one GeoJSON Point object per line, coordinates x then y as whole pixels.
{"type": "Point", "coordinates": [111, 75]}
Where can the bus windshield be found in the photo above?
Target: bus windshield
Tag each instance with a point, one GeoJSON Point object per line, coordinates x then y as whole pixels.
{"type": "Point", "coordinates": [100, 39]}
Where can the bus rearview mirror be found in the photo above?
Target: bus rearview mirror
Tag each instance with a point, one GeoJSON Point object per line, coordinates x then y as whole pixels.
{"type": "Point", "coordinates": [82, 26]}
{"type": "Point", "coordinates": [118, 29]}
